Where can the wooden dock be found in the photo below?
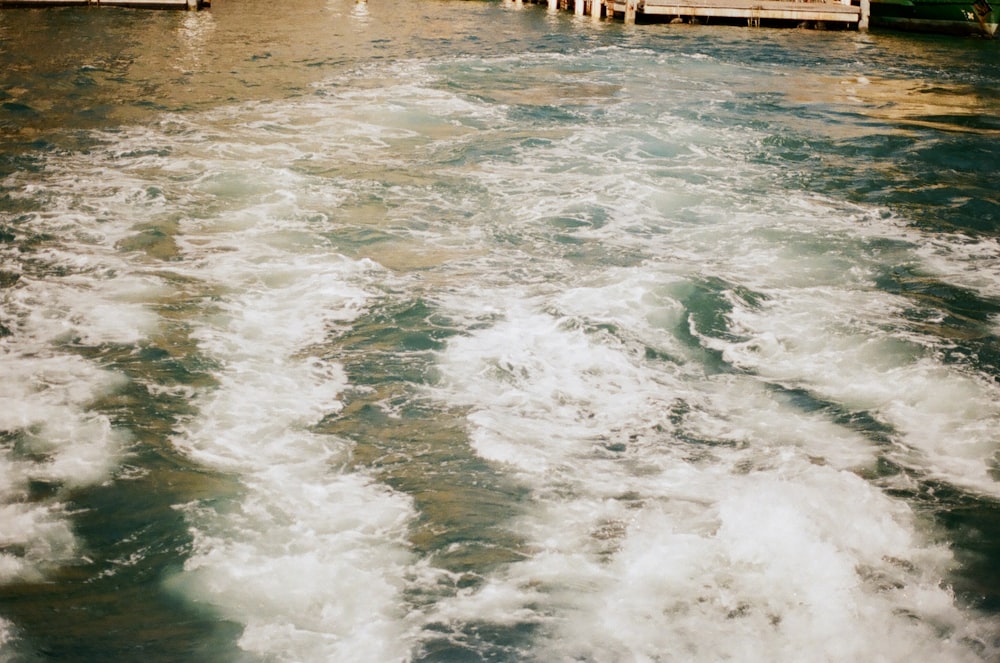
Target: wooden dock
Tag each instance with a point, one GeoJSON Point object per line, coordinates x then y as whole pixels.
{"type": "Point", "coordinates": [812, 13]}
{"type": "Point", "coordinates": [139, 4]}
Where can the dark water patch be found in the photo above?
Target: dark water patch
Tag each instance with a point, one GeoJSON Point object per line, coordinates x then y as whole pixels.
{"type": "Point", "coordinates": [480, 643]}
{"type": "Point", "coordinates": [327, 62]}
{"type": "Point", "coordinates": [564, 223]}
{"type": "Point", "coordinates": [867, 424]}
{"type": "Point", "coordinates": [971, 526]}
{"type": "Point", "coordinates": [789, 147]}
{"type": "Point", "coordinates": [149, 367]}
{"type": "Point", "coordinates": [148, 105]}
{"type": "Point", "coordinates": [967, 163]}
{"type": "Point", "coordinates": [18, 109]}
{"type": "Point", "coordinates": [872, 148]}
{"type": "Point", "coordinates": [983, 354]}
{"type": "Point", "coordinates": [658, 355]}
{"type": "Point", "coordinates": [966, 311]}
{"type": "Point", "coordinates": [592, 252]}
{"type": "Point", "coordinates": [884, 468]}
{"type": "Point", "coordinates": [962, 122]}
{"type": "Point", "coordinates": [22, 445]}
{"type": "Point", "coordinates": [402, 334]}
{"type": "Point", "coordinates": [110, 604]}
{"type": "Point", "coordinates": [350, 238]}
{"type": "Point", "coordinates": [20, 157]}
{"type": "Point", "coordinates": [500, 150]}
{"type": "Point", "coordinates": [464, 503]}
{"type": "Point", "coordinates": [543, 114]}
{"type": "Point", "coordinates": [533, 142]}
{"type": "Point", "coordinates": [940, 181]}
{"type": "Point", "coordinates": [84, 81]}
{"type": "Point", "coordinates": [860, 421]}
{"type": "Point", "coordinates": [677, 415]}
{"type": "Point", "coordinates": [707, 314]}
{"type": "Point", "coordinates": [122, 619]}
{"type": "Point", "coordinates": [710, 304]}
{"type": "Point", "coordinates": [8, 279]}
{"type": "Point", "coordinates": [579, 217]}
{"type": "Point", "coordinates": [567, 239]}
{"type": "Point", "coordinates": [981, 215]}
{"type": "Point", "coordinates": [960, 320]}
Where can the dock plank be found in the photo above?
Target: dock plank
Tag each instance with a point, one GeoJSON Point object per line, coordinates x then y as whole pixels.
{"type": "Point", "coordinates": [778, 10]}
{"type": "Point", "coordinates": [139, 4]}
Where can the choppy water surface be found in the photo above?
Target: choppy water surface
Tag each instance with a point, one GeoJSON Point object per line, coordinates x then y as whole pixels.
{"type": "Point", "coordinates": [443, 331]}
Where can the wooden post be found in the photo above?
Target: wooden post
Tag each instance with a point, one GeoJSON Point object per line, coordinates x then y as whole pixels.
{"type": "Point", "coordinates": [630, 8]}
{"type": "Point", "coordinates": [553, 5]}
{"type": "Point", "coordinates": [578, 7]}
{"type": "Point", "coordinates": [595, 9]}
{"type": "Point", "coordinates": [866, 11]}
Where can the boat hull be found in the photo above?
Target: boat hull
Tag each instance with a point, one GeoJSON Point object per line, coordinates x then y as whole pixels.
{"type": "Point", "coordinates": [962, 17]}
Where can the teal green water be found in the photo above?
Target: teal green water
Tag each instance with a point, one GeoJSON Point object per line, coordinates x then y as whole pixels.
{"type": "Point", "coordinates": [452, 331]}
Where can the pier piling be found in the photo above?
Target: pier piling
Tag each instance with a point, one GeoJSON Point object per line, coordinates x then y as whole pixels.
{"type": "Point", "coordinates": [631, 7]}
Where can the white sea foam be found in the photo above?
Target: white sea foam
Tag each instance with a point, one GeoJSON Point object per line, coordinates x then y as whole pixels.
{"type": "Point", "coordinates": [7, 636]}
{"type": "Point", "coordinates": [41, 537]}
{"type": "Point", "coordinates": [711, 516]}
{"type": "Point", "coordinates": [677, 511]}
{"type": "Point", "coordinates": [672, 515]}
{"type": "Point", "coordinates": [310, 556]}
{"type": "Point", "coordinates": [827, 329]}
{"type": "Point", "coordinates": [834, 343]}
{"type": "Point", "coordinates": [53, 436]}
{"type": "Point", "coordinates": [310, 560]}
{"type": "Point", "coordinates": [697, 499]}
{"type": "Point", "coordinates": [799, 271]}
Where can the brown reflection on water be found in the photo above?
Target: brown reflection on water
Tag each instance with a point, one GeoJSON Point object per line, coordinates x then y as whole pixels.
{"type": "Point", "coordinates": [918, 103]}
{"type": "Point", "coordinates": [882, 103]}
{"type": "Point", "coordinates": [76, 67]}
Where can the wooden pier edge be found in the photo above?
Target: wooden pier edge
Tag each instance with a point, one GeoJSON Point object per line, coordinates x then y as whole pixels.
{"type": "Point", "coordinates": [847, 13]}
{"type": "Point", "coordinates": [189, 5]}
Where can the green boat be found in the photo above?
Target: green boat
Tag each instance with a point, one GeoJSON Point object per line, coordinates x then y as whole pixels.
{"type": "Point", "coordinates": [962, 17]}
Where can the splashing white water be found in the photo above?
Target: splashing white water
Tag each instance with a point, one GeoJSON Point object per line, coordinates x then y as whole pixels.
{"type": "Point", "coordinates": [700, 516]}
{"type": "Point", "coordinates": [67, 297]}
{"type": "Point", "coordinates": [692, 488]}
{"type": "Point", "coordinates": [310, 557]}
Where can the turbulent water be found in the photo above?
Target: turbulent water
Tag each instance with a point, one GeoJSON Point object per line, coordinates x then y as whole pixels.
{"type": "Point", "coordinates": [453, 331]}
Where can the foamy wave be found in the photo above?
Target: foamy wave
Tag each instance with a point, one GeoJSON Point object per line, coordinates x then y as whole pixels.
{"type": "Point", "coordinates": [680, 513]}
{"type": "Point", "coordinates": [7, 635]}
{"type": "Point", "coordinates": [50, 439]}
{"type": "Point", "coordinates": [308, 555]}
{"type": "Point", "coordinates": [840, 345]}
{"type": "Point", "coordinates": [311, 560]}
